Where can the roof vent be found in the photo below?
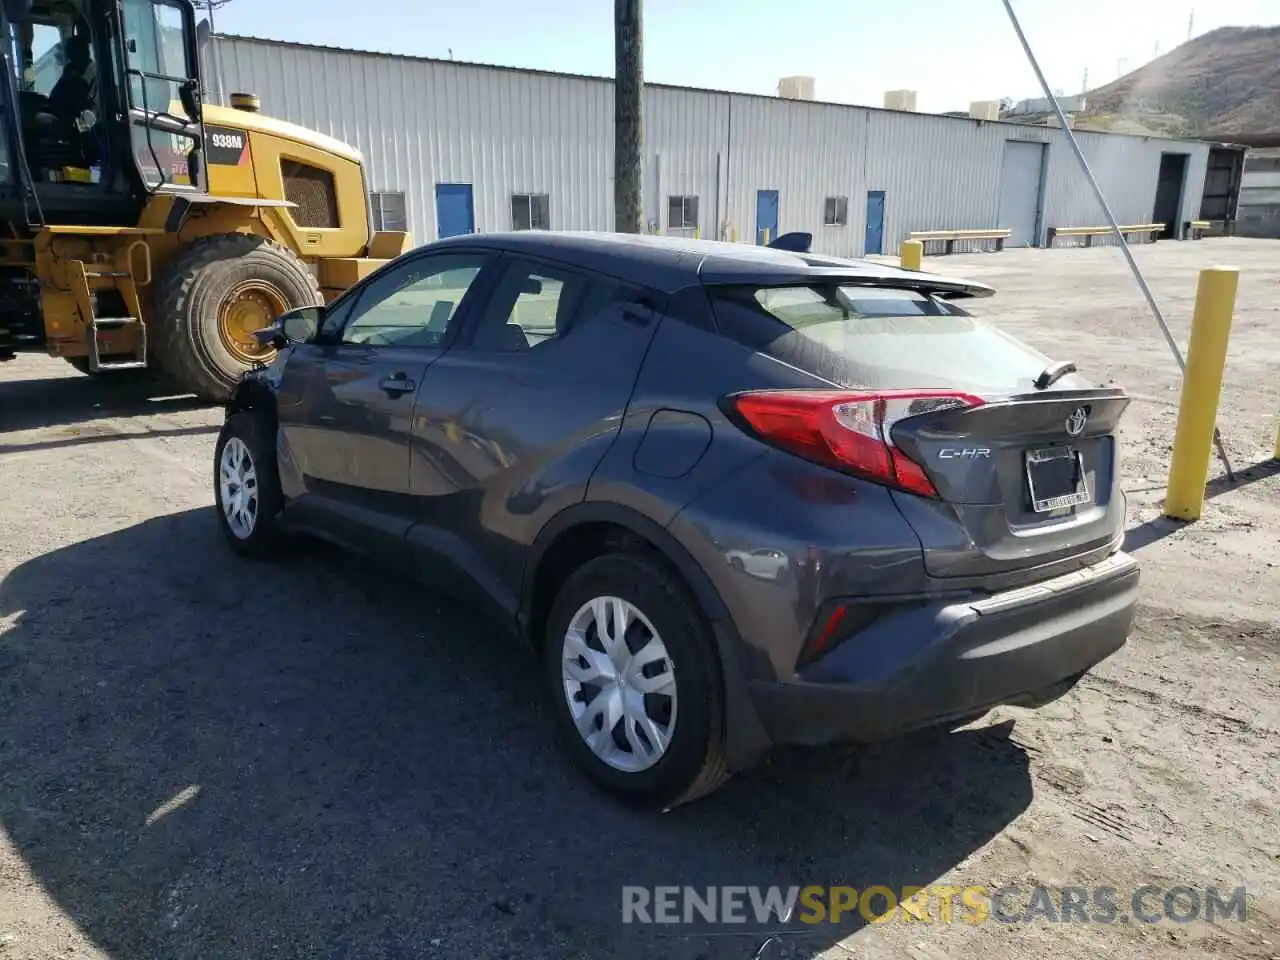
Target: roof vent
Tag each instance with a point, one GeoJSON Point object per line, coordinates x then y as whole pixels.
{"type": "Point", "coordinates": [248, 102]}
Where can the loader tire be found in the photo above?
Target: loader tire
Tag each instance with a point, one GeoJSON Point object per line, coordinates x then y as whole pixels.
{"type": "Point", "coordinates": [190, 338]}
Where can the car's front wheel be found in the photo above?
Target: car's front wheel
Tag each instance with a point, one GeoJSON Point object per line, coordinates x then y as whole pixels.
{"type": "Point", "coordinates": [247, 486]}
{"type": "Point", "coordinates": [635, 681]}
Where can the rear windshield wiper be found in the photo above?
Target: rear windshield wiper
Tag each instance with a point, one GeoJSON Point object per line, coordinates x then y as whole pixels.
{"type": "Point", "coordinates": [1052, 374]}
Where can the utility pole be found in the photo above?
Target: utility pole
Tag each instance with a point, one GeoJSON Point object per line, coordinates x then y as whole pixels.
{"type": "Point", "coordinates": [628, 99]}
{"type": "Point", "coordinates": [1191, 23]}
{"type": "Point", "coordinates": [218, 92]}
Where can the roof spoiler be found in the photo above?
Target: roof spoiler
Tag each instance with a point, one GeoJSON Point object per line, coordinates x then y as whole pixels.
{"type": "Point", "coordinates": [947, 289]}
{"type": "Point", "coordinates": [796, 242]}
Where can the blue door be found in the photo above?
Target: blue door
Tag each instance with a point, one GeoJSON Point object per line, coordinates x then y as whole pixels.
{"type": "Point", "coordinates": [455, 213]}
{"type": "Point", "coordinates": [1020, 191]}
{"type": "Point", "coordinates": [875, 222]}
{"type": "Point", "coordinates": [766, 216]}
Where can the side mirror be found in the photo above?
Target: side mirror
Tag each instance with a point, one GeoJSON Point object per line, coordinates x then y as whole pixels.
{"type": "Point", "coordinates": [300, 325]}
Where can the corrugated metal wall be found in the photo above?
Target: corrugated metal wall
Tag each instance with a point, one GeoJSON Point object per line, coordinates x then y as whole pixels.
{"type": "Point", "coordinates": [1259, 211]}
{"type": "Point", "coordinates": [422, 122]}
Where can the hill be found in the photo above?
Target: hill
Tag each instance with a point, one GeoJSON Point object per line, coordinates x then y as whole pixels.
{"type": "Point", "coordinates": [1222, 84]}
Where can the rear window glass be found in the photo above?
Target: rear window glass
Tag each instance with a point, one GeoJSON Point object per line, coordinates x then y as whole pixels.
{"type": "Point", "coordinates": [882, 338]}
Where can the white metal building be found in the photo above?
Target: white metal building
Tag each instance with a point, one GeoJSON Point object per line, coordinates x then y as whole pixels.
{"type": "Point", "coordinates": [453, 147]}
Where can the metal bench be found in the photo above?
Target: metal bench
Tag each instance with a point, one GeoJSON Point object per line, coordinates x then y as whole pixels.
{"type": "Point", "coordinates": [1195, 229]}
{"type": "Point", "coordinates": [1090, 232]}
{"type": "Point", "coordinates": [949, 237]}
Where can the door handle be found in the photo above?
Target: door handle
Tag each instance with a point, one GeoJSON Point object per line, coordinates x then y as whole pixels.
{"type": "Point", "coordinates": [398, 384]}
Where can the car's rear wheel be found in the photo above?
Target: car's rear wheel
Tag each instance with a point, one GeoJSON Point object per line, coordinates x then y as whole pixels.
{"type": "Point", "coordinates": [635, 683]}
{"type": "Point", "coordinates": [247, 486]}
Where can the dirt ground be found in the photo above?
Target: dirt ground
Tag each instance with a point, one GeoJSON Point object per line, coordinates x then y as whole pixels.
{"type": "Point", "coordinates": [204, 758]}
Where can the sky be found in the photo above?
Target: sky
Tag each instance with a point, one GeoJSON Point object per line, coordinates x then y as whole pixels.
{"type": "Point", "coordinates": [950, 51]}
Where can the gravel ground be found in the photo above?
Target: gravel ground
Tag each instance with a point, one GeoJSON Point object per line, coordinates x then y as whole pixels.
{"type": "Point", "coordinates": [204, 758]}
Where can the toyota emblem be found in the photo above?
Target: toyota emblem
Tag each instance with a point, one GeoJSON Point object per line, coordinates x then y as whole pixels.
{"type": "Point", "coordinates": [1076, 422]}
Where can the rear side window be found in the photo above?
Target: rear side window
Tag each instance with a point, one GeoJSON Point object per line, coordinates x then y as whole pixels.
{"type": "Point", "coordinates": [875, 337]}
{"type": "Point", "coordinates": [535, 304]}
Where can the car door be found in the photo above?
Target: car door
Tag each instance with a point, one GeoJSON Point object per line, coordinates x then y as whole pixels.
{"type": "Point", "coordinates": [346, 402]}
{"type": "Point", "coordinates": [513, 420]}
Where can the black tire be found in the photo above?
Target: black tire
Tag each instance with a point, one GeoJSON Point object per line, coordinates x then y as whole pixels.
{"type": "Point", "coordinates": [265, 538]}
{"type": "Point", "coordinates": [184, 323]}
{"type": "Point", "coordinates": [695, 761]}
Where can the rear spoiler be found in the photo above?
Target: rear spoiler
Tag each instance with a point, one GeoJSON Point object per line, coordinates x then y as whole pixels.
{"type": "Point", "coordinates": [762, 275]}
{"type": "Point", "coordinates": [819, 268]}
{"type": "Point", "coordinates": [946, 288]}
{"type": "Point", "coordinates": [875, 273]}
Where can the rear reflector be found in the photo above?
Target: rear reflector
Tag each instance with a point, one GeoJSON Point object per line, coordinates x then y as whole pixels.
{"type": "Point", "coordinates": [829, 631]}
{"type": "Point", "coordinates": [839, 621]}
{"type": "Point", "coordinates": [847, 430]}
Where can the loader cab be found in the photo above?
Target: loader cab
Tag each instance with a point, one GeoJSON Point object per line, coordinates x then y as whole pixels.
{"type": "Point", "coordinates": [101, 108]}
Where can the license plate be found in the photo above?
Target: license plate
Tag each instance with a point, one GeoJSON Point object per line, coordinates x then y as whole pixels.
{"type": "Point", "coordinates": [1055, 479]}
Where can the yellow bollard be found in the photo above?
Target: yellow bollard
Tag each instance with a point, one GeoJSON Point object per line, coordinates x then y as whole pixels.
{"type": "Point", "coordinates": [697, 233]}
{"type": "Point", "coordinates": [766, 237]}
{"type": "Point", "coordinates": [1201, 389]}
{"type": "Point", "coordinates": [1276, 455]}
{"type": "Point", "coordinates": [911, 254]}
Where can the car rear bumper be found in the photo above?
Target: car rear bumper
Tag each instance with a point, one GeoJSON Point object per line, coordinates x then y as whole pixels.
{"type": "Point", "coordinates": [940, 661]}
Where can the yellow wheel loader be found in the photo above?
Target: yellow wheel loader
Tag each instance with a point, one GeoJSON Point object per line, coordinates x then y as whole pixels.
{"type": "Point", "coordinates": [143, 229]}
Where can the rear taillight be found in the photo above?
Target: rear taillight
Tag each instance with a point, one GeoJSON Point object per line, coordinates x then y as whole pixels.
{"type": "Point", "coordinates": [847, 430]}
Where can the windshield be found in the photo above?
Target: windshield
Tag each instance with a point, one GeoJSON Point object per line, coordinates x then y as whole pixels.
{"type": "Point", "coordinates": [876, 337]}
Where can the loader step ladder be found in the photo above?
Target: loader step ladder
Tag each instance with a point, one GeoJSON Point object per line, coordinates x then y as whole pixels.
{"type": "Point", "coordinates": [119, 275]}
{"type": "Point", "coordinates": [136, 361]}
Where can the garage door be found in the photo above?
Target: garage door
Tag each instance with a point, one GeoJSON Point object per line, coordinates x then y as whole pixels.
{"type": "Point", "coordinates": [1020, 190]}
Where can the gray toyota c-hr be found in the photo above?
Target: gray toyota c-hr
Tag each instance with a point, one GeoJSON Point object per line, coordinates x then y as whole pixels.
{"type": "Point", "coordinates": [732, 496]}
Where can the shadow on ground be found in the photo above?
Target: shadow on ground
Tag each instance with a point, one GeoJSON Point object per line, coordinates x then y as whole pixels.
{"type": "Point", "coordinates": [1243, 477]}
{"type": "Point", "coordinates": [75, 398]}
{"type": "Point", "coordinates": [1157, 528]}
{"type": "Point", "coordinates": [205, 757]}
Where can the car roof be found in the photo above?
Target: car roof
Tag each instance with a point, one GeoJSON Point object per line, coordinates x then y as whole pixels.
{"type": "Point", "coordinates": [669, 264]}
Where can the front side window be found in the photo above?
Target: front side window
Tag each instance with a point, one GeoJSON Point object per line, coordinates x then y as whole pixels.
{"type": "Point", "coordinates": [415, 304]}
{"type": "Point", "coordinates": [56, 83]}
{"type": "Point", "coordinates": [530, 211]}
